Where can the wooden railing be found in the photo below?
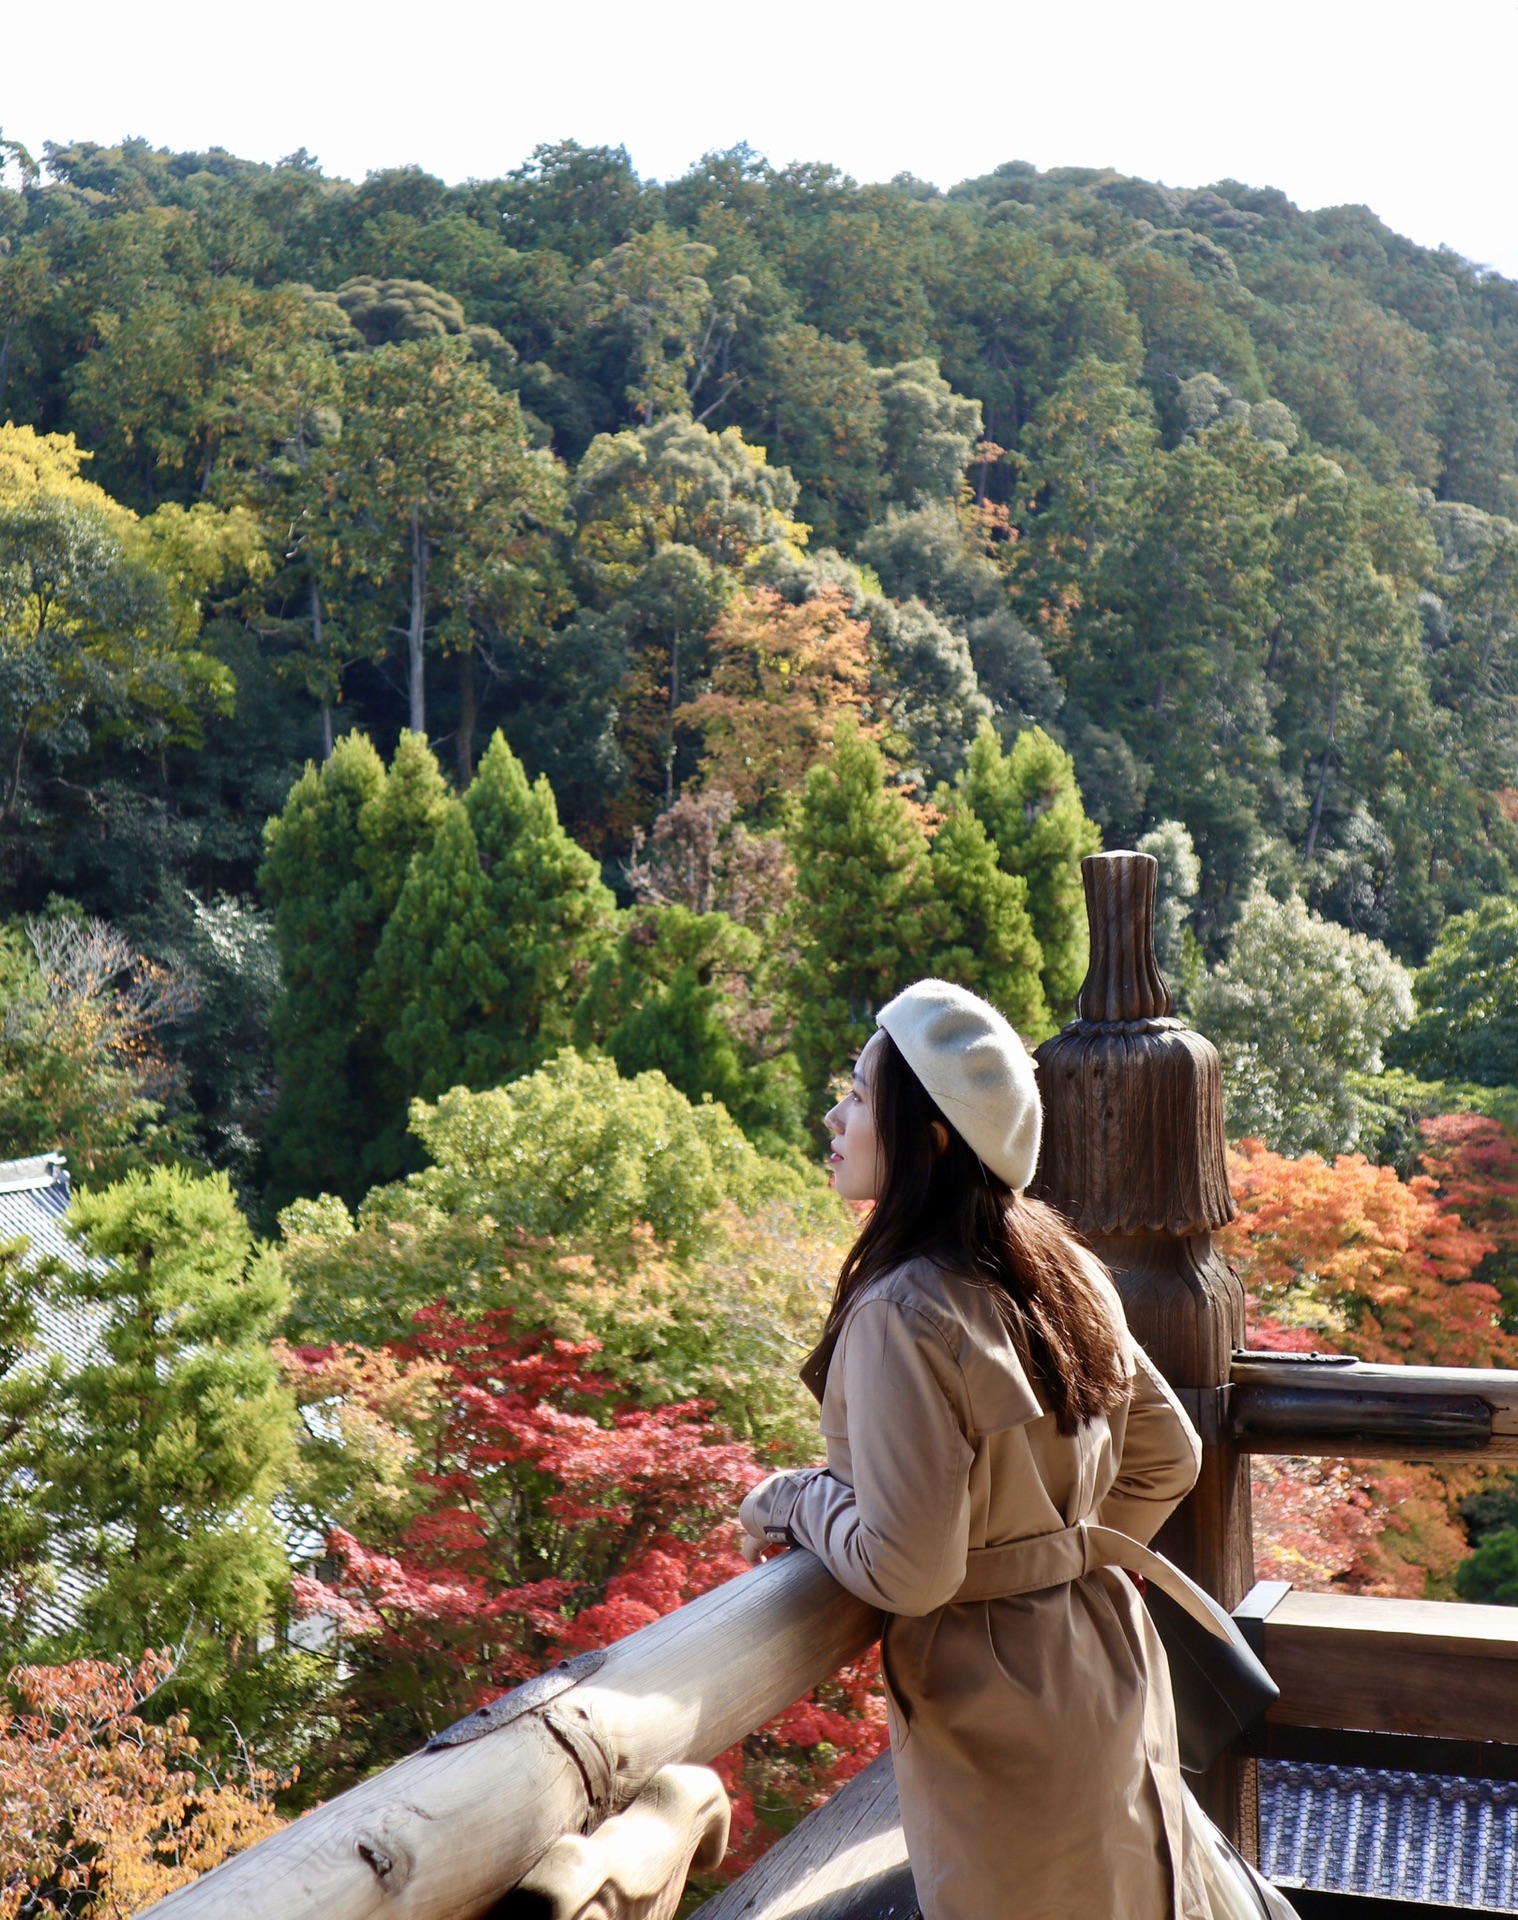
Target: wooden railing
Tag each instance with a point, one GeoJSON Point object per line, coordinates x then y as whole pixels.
{"type": "Point", "coordinates": [1134, 1155]}
{"type": "Point", "coordinates": [445, 1833]}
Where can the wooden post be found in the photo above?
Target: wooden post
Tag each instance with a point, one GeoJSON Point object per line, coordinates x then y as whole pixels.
{"type": "Point", "coordinates": [1133, 1155]}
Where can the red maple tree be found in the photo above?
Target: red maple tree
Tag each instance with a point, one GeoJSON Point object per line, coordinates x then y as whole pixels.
{"type": "Point", "coordinates": [554, 1513]}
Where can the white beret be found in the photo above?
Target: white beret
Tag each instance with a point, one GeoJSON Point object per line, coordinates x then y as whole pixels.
{"type": "Point", "coordinates": [973, 1064]}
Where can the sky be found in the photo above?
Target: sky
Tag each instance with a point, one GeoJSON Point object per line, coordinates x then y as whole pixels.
{"type": "Point", "coordinates": [1407, 109]}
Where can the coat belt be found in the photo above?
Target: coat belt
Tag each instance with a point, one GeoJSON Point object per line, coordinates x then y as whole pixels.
{"type": "Point", "coordinates": [1055, 1559]}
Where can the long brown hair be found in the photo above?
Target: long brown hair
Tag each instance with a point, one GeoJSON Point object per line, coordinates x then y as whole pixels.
{"type": "Point", "coordinates": [943, 1202]}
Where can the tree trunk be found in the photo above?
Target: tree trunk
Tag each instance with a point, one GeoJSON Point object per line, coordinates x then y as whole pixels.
{"type": "Point", "coordinates": [468, 707]}
{"type": "Point", "coordinates": [13, 788]}
{"type": "Point", "coordinates": [416, 633]}
{"type": "Point", "coordinates": [674, 701]}
{"type": "Point", "coordinates": [316, 647]}
{"type": "Point", "coordinates": [1328, 753]}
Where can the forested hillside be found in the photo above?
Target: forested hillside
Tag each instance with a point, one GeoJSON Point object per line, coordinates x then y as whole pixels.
{"type": "Point", "coordinates": [497, 684]}
{"type": "Point", "coordinates": [1212, 489]}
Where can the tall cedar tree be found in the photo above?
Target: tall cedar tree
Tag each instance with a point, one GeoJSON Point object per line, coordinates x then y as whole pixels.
{"type": "Point", "coordinates": [485, 954]}
{"type": "Point", "coordinates": [864, 905]}
{"type": "Point", "coordinates": [165, 1451]}
{"type": "Point", "coordinates": [986, 936]}
{"type": "Point", "coordinates": [1029, 804]}
{"type": "Point", "coordinates": [432, 496]}
{"type": "Point", "coordinates": [334, 863]}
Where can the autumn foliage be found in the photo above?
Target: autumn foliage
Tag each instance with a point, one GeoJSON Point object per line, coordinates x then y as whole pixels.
{"type": "Point", "coordinates": [1343, 1256]}
{"type": "Point", "coordinates": [781, 678]}
{"type": "Point", "coordinates": [102, 1811]}
{"type": "Point", "coordinates": [552, 1513]}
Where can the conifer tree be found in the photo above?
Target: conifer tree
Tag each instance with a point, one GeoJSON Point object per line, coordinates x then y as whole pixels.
{"type": "Point", "coordinates": [986, 939]}
{"type": "Point", "coordinates": [335, 860]}
{"type": "Point", "coordinates": [486, 951]}
{"type": "Point", "coordinates": [1028, 802]}
{"type": "Point", "coordinates": [864, 905]}
{"type": "Point", "coordinates": [324, 928]}
{"type": "Point", "coordinates": [401, 819]}
{"type": "Point", "coordinates": [166, 1451]}
{"type": "Point", "coordinates": [684, 993]}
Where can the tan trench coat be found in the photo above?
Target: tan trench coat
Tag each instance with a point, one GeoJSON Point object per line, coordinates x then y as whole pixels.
{"type": "Point", "coordinates": [1034, 1736]}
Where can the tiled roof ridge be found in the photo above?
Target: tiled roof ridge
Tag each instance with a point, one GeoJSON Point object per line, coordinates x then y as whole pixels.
{"type": "Point", "coordinates": [1448, 1787]}
{"type": "Point", "coordinates": [34, 1173]}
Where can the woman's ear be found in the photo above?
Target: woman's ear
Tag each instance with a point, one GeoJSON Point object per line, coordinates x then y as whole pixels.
{"type": "Point", "coordinates": [940, 1137]}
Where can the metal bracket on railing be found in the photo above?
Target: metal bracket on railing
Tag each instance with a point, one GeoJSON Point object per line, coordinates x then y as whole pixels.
{"type": "Point", "coordinates": [1207, 1408]}
{"type": "Point", "coordinates": [527, 1698]}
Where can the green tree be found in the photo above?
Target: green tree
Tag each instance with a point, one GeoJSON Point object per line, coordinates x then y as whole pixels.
{"type": "Point", "coordinates": [29, 1381]}
{"type": "Point", "coordinates": [931, 692]}
{"type": "Point", "coordinates": [166, 1452]}
{"type": "Point", "coordinates": [675, 330]}
{"type": "Point", "coordinates": [985, 937]}
{"type": "Point", "coordinates": [929, 432]}
{"type": "Point", "coordinates": [819, 411]}
{"type": "Point", "coordinates": [482, 960]}
{"type": "Point", "coordinates": [1180, 874]}
{"type": "Point", "coordinates": [676, 483]}
{"type": "Point", "coordinates": [576, 1151]}
{"type": "Point", "coordinates": [334, 863]}
{"type": "Point", "coordinates": [1466, 1027]}
{"type": "Point", "coordinates": [1490, 1576]}
{"type": "Point", "coordinates": [683, 993]}
{"type": "Point", "coordinates": [89, 644]}
{"type": "Point", "coordinates": [864, 899]}
{"type": "Point", "coordinates": [1029, 804]}
{"type": "Point", "coordinates": [1086, 454]}
{"type": "Point", "coordinates": [1297, 1011]}
{"type": "Point", "coordinates": [432, 495]}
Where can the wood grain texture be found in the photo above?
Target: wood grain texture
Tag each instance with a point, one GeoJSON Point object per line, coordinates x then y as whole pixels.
{"type": "Point", "coordinates": [1423, 1667]}
{"type": "Point", "coordinates": [1123, 979]}
{"type": "Point", "coordinates": [846, 1861]}
{"type": "Point", "coordinates": [1358, 1410]}
{"type": "Point", "coordinates": [445, 1833]}
{"type": "Point", "coordinates": [1134, 1155]}
{"type": "Point", "coordinates": [1133, 1105]}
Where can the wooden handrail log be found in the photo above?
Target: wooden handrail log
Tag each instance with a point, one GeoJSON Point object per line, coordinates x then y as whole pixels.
{"type": "Point", "coordinates": [443, 1834]}
{"type": "Point", "coordinates": [1335, 1407]}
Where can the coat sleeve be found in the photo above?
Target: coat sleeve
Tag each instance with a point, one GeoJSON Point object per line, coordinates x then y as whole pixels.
{"type": "Point", "coordinates": [899, 1537]}
{"type": "Point", "coordinates": [1160, 1461]}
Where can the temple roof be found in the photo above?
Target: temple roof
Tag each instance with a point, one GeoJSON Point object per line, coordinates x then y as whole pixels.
{"type": "Point", "coordinates": [1401, 1836]}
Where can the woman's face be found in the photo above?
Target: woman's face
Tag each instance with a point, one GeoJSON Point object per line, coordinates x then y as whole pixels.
{"type": "Point", "coordinates": [855, 1158]}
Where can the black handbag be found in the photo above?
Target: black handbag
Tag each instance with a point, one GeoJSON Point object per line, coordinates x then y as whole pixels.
{"type": "Point", "coordinates": [1220, 1684]}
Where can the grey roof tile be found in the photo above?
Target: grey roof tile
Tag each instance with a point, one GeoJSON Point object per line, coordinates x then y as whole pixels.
{"type": "Point", "coordinates": [1400, 1836]}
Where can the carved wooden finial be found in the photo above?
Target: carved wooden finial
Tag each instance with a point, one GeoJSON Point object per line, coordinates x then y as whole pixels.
{"type": "Point", "coordinates": [1133, 1099]}
{"type": "Point", "coordinates": [1123, 981]}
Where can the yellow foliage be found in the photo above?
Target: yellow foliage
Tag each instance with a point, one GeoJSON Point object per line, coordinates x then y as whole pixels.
{"type": "Point", "coordinates": [33, 464]}
{"type": "Point", "coordinates": [102, 1812]}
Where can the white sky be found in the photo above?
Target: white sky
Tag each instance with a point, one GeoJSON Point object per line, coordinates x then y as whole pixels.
{"type": "Point", "coordinates": [1407, 108]}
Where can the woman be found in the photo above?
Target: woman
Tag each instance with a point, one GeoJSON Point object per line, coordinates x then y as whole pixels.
{"type": "Point", "coordinates": [980, 1390]}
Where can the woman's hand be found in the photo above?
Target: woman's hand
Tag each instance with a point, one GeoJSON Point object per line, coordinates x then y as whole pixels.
{"type": "Point", "coordinates": [754, 1549]}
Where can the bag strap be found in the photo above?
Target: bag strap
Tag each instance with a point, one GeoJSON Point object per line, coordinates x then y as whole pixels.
{"type": "Point", "coordinates": [1054, 1559]}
